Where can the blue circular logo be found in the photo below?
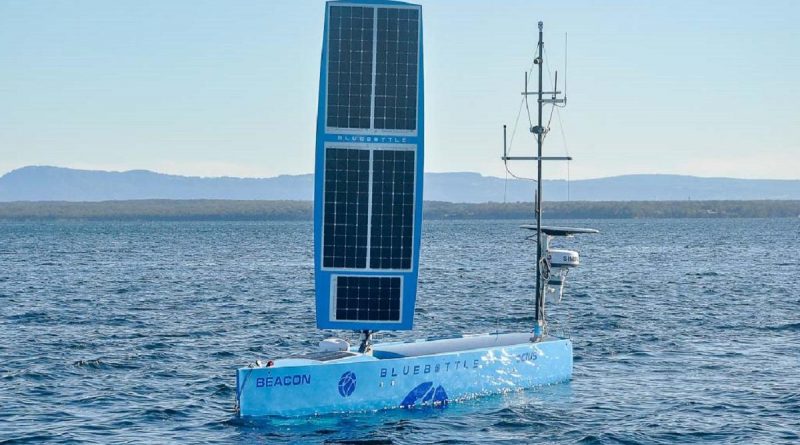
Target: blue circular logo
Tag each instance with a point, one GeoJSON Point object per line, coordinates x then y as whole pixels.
{"type": "Point", "coordinates": [347, 384]}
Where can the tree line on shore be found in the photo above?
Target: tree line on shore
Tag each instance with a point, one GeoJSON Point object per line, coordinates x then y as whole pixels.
{"type": "Point", "coordinates": [253, 210]}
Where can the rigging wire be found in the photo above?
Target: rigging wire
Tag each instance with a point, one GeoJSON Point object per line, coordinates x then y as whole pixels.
{"type": "Point", "coordinates": [510, 144]}
{"type": "Point", "coordinates": [514, 130]}
{"type": "Point", "coordinates": [523, 101]}
{"type": "Point", "coordinates": [525, 97]}
{"type": "Point", "coordinates": [566, 147]}
{"type": "Point", "coordinates": [505, 188]}
{"type": "Point", "coordinates": [550, 76]}
{"type": "Point", "coordinates": [560, 124]}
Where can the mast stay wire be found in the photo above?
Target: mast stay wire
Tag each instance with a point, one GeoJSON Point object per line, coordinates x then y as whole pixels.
{"type": "Point", "coordinates": [523, 101]}
{"type": "Point", "coordinates": [566, 147]}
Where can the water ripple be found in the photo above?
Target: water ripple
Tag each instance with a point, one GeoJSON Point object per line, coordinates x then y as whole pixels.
{"type": "Point", "coordinates": [685, 331]}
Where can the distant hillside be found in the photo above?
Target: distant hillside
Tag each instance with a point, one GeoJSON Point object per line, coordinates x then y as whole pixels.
{"type": "Point", "coordinates": [66, 184]}
{"type": "Point", "coordinates": [63, 184]}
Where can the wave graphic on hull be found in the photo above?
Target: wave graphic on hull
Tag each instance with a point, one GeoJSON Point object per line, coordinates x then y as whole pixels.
{"type": "Point", "coordinates": [425, 394]}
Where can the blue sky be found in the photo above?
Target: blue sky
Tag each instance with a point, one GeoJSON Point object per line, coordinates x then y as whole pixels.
{"type": "Point", "coordinates": [215, 88]}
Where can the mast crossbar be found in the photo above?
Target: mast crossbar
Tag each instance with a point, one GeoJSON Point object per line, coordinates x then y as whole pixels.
{"type": "Point", "coordinates": [536, 93]}
{"type": "Point", "coordinates": [536, 158]}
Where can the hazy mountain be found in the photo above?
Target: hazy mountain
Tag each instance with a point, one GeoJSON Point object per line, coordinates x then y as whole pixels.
{"type": "Point", "coordinates": [64, 184]}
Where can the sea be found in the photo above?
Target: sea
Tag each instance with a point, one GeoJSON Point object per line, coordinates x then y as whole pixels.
{"type": "Point", "coordinates": [685, 331]}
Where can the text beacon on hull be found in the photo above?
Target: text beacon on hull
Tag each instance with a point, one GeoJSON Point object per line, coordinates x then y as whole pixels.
{"type": "Point", "coordinates": [367, 227]}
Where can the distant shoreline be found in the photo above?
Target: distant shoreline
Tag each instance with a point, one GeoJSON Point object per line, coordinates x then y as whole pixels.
{"type": "Point", "coordinates": [255, 210]}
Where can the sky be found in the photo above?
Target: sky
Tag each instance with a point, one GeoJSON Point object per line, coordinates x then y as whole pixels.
{"type": "Point", "coordinates": [229, 88]}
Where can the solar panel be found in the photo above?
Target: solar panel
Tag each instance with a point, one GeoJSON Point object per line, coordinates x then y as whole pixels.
{"type": "Point", "coordinates": [396, 69]}
{"type": "Point", "coordinates": [345, 208]}
{"type": "Point", "coordinates": [350, 50]}
{"type": "Point", "coordinates": [368, 175]}
{"type": "Point", "coordinates": [367, 298]}
{"type": "Point", "coordinates": [391, 233]}
{"type": "Point", "coordinates": [351, 74]}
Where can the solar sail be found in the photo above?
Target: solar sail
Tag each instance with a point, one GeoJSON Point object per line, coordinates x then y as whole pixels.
{"type": "Point", "coordinates": [369, 158]}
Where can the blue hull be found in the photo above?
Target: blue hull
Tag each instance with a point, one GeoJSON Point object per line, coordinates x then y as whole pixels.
{"type": "Point", "coordinates": [294, 387]}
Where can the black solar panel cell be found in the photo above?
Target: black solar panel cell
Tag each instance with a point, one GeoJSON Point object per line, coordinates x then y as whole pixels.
{"type": "Point", "coordinates": [350, 52]}
{"type": "Point", "coordinates": [396, 69]}
{"type": "Point", "coordinates": [391, 238]}
{"type": "Point", "coordinates": [345, 208]}
{"type": "Point", "coordinates": [367, 298]}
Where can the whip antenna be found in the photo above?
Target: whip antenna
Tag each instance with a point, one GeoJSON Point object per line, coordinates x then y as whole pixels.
{"type": "Point", "coordinates": [565, 68]}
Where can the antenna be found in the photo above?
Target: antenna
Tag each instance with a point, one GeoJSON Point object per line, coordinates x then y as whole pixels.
{"type": "Point", "coordinates": [526, 84]}
{"type": "Point", "coordinates": [505, 150]}
{"type": "Point", "coordinates": [565, 68]}
{"type": "Point", "coordinates": [555, 85]}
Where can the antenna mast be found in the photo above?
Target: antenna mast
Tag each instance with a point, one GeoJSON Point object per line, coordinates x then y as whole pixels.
{"type": "Point", "coordinates": [539, 131]}
{"type": "Point", "coordinates": [538, 327]}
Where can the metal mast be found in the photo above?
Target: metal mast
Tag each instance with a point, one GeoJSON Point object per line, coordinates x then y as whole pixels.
{"type": "Point", "coordinates": [539, 131]}
{"type": "Point", "coordinates": [538, 327]}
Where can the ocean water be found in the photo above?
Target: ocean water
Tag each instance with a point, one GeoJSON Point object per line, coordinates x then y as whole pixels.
{"type": "Point", "coordinates": [685, 331]}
